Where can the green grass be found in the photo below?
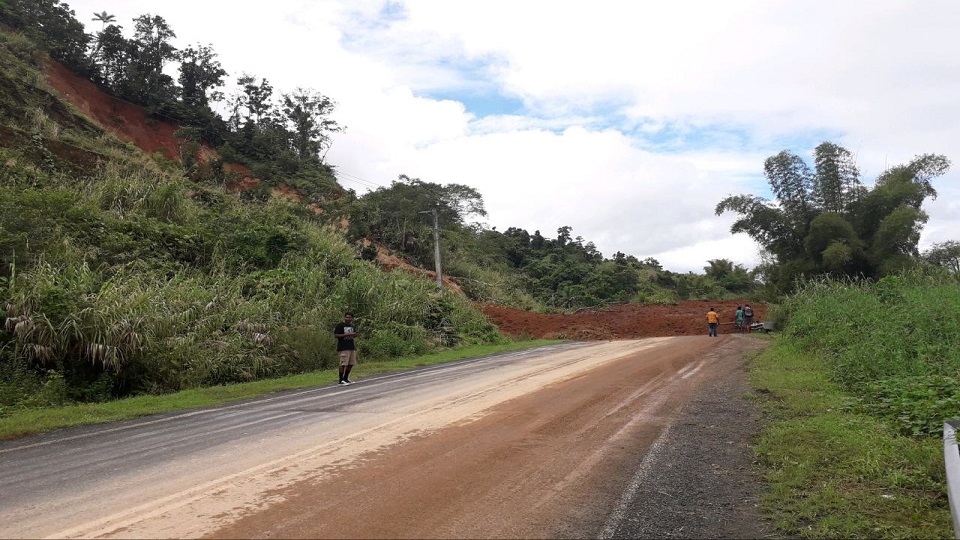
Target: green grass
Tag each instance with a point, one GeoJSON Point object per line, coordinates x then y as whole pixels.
{"type": "Point", "coordinates": [18, 423]}
{"type": "Point", "coordinates": [834, 472]}
{"type": "Point", "coordinates": [894, 344]}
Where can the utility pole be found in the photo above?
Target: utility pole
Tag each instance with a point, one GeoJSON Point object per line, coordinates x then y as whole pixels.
{"type": "Point", "coordinates": [436, 244]}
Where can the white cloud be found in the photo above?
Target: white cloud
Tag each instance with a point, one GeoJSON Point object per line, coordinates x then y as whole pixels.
{"type": "Point", "coordinates": [638, 117]}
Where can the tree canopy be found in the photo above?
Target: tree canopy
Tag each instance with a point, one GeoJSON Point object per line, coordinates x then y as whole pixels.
{"type": "Point", "coordinates": [825, 221]}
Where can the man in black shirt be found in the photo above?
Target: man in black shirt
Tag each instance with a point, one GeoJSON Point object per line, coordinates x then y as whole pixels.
{"type": "Point", "coordinates": [345, 332]}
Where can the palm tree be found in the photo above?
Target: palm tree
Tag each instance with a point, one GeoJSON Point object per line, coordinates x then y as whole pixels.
{"type": "Point", "coordinates": [104, 18]}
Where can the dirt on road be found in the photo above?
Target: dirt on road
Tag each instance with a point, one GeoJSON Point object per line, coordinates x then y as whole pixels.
{"type": "Point", "coordinates": [565, 461]}
{"type": "Point", "coordinates": [627, 321]}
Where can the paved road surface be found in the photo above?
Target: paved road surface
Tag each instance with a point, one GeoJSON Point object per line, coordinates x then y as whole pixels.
{"type": "Point", "coordinates": [540, 443]}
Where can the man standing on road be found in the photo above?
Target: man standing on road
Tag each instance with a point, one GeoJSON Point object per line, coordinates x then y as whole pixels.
{"type": "Point", "coordinates": [739, 324]}
{"type": "Point", "coordinates": [713, 320]}
{"type": "Point", "coordinates": [346, 348]}
{"type": "Point", "coordinates": [747, 316]}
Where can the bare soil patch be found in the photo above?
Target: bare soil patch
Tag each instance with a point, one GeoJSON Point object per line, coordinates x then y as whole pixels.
{"type": "Point", "coordinates": [628, 321]}
{"type": "Point", "coordinates": [127, 121]}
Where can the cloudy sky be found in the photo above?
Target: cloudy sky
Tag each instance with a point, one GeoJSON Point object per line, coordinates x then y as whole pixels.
{"type": "Point", "coordinates": [626, 120]}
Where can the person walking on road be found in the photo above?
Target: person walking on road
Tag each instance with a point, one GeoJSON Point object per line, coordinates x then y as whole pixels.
{"type": "Point", "coordinates": [739, 324]}
{"type": "Point", "coordinates": [747, 316]}
{"type": "Point", "coordinates": [345, 332]}
{"type": "Point", "coordinates": [713, 321]}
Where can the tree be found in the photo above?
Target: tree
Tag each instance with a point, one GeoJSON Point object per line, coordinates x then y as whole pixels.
{"type": "Point", "coordinates": [392, 216]}
{"type": "Point", "coordinates": [256, 98]}
{"type": "Point", "coordinates": [308, 112]}
{"type": "Point", "coordinates": [828, 222]}
{"type": "Point", "coordinates": [104, 18]}
{"type": "Point", "coordinates": [200, 75]}
{"type": "Point", "coordinates": [151, 51]}
{"type": "Point", "coordinates": [732, 277]}
{"type": "Point", "coordinates": [945, 254]}
{"type": "Point", "coordinates": [112, 56]}
{"type": "Point", "coordinates": [54, 26]}
{"type": "Point", "coordinates": [836, 183]}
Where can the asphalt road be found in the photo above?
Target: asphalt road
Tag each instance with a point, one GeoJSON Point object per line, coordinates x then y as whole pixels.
{"type": "Point", "coordinates": [496, 445]}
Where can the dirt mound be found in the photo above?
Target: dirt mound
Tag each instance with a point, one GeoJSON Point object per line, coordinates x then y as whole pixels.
{"type": "Point", "coordinates": [629, 321]}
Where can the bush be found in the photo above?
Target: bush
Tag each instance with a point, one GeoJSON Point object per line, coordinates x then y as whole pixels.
{"type": "Point", "coordinates": [894, 343]}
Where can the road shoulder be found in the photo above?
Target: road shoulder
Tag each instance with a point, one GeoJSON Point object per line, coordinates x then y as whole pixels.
{"type": "Point", "coordinates": [701, 480]}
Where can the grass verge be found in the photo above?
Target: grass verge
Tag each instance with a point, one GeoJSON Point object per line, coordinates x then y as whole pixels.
{"type": "Point", "coordinates": [835, 473]}
{"type": "Point", "coordinates": [29, 421]}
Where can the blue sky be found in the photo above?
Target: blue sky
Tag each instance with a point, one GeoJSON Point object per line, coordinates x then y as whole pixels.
{"type": "Point", "coordinates": [627, 121]}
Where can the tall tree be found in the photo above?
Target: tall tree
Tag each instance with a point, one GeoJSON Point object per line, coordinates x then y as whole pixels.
{"type": "Point", "coordinates": [257, 98]}
{"type": "Point", "coordinates": [309, 112]}
{"type": "Point", "coordinates": [836, 182]}
{"type": "Point", "coordinates": [152, 51]}
{"type": "Point", "coordinates": [200, 76]}
{"type": "Point", "coordinates": [112, 56]}
{"type": "Point", "coordinates": [829, 223]}
{"type": "Point", "coordinates": [104, 18]}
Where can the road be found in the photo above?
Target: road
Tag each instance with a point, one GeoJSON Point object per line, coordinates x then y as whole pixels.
{"type": "Point", "coordinates": [540, 443]}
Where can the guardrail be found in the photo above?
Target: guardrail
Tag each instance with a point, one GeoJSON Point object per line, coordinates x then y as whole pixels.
{"type": "Point", "coordinates": [951, 460]}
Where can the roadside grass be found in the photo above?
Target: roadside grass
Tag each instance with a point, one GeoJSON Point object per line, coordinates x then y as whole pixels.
{"type": "Point", "coordinates": [18, 423]}
{"type": "Point", "coordinates": [835, 472]}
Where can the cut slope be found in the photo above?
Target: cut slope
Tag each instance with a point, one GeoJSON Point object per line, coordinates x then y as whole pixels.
{"type": "Point", "coordinates": [127, 121]}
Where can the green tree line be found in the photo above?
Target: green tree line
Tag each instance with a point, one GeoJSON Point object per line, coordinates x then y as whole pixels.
{"type": "Point", "coordinates": [515, 266]}
{"type": "Point", "coordinates": [278, 134]}
{"type": "Point", "coordinates": [825, 221]}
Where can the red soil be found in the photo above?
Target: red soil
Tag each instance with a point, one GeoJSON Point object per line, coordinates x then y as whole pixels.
{"type": "Point", "coordinates": [628, 321]}
{"type": "Point", "coordinates": [127, 121]}
{"type": "Point", "coordinates": [130, 123]}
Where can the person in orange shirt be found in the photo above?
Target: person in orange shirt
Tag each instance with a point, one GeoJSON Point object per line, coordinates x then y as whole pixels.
{"type": "Point", "coordinates": [713, 321]}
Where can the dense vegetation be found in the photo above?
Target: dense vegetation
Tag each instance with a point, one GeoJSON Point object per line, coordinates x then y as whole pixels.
{"type": "Point", "coordinates": [120, 275]}
{"type": "Point", "coordinates": [516, 267]}
{"type": "Point", "coordinates": [281, 137]}
{"type": "Point", "coordinates": [826, 222]}
{"type": "Point", "coordinates": [856, 391]}
{"type": "Point", "coordinates": [893, 343]}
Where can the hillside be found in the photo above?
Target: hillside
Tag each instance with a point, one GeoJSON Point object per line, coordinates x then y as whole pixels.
{"type": "Point", "coordinates": [135, 258]}
{"type": "Point", "coordinates": [121, 275]}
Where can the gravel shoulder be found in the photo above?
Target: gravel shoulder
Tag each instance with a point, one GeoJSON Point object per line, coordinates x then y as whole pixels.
{"type": "Point", "coordinates": [701, 480]}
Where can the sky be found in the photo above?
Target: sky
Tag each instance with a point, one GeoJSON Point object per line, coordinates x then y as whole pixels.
{"type": "Point", "coordinates": [625, 120]}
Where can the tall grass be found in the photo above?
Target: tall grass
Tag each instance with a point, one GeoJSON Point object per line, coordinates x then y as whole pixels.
{"type": "Point", "coordinates": [137, 281]}
{"type": "Point", "coordinates": [894, 343]}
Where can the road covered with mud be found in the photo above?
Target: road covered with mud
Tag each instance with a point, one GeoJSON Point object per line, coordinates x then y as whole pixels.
{"type": "Point", "coordinates": [554, 442]}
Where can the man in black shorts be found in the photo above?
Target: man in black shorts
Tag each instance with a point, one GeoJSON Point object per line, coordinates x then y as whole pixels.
{"type": "Point", "coordinates": [346, 348]}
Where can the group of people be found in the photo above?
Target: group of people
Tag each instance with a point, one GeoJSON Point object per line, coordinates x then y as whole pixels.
{"type": "Point", "coordinates": [744, 320]}
{"type": "Point", "coordinates": [346, 331]}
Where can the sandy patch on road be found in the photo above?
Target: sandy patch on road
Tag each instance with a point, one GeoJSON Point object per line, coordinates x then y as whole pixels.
{"type": "Point", "coordinates": [207, 505]}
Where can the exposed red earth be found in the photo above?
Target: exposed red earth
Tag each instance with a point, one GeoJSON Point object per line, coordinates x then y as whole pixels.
{"type": "Point", "coordinates": [628, 321]}
{"type": "Point", "coordinates": [125, 120]}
